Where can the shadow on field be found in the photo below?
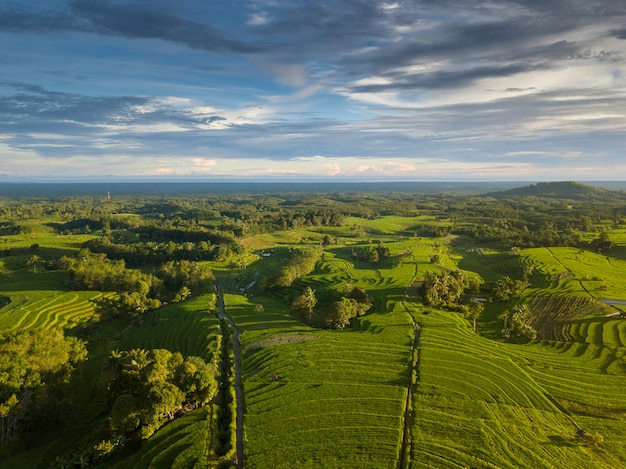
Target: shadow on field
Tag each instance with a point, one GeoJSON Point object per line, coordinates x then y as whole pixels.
{"type": "Point", "coordinates": [27, 281]}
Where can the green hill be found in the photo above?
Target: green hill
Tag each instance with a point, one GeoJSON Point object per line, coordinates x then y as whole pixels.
{"type": "Point", "coordinates": [562, 190]}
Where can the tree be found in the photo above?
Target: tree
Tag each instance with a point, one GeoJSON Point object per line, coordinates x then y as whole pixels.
{"type": "Point", "coordinates": [340, 312]}
{"type": "Point", "coordinates": [35, 369]}
{"type": "Point", "coordinates": [149, 386]}
{"type": "Point", "coordinates": [506, 289]}
{"type": "Point", "coordinates": [444, 289]}
{"type": "Point", "coordinates": [182, 294]}
{"type": "Point", "coordinates": [364, 301]}
{"type": "Point", "coordinates": [196, 379]}
{"type": "Point", "coordinates": [505, 315]}
{"type": "Point", "coordinates": [298, 264]}
{"type": "Point", "coordinates": [127, 305]}
{"type": "Point", "coordinates": [474, 310]}
{"type": "Point", "coordinates": [34, 262]}
{"type": "Point", "coordinates": [125, 414]}
{"type": "Point", "coordinates": [602, 243]}
{"type": "Point", "coordinates": [304, 304]}
{"type": "Point", "coordinates": [519, 324]}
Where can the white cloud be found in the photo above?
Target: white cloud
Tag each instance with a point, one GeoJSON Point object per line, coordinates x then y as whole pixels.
{"type": "Point", "coordinates": [258, 19]}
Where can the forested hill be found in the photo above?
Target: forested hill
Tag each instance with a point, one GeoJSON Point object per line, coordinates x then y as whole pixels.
{"type": "Point", "coordinates": [562, 190]}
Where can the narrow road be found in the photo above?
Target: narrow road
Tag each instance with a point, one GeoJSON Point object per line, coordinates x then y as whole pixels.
{"type": "Point", "coordinates": [407, 443]}
{"type": "Point", "coordinates": [238, 386]}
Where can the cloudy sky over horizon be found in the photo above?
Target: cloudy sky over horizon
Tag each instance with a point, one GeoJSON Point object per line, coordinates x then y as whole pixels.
{"type": "Point", "coordinates": [327, 90]}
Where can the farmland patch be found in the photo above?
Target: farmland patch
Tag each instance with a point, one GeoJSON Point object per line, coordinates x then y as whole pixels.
{"type": "Point", "coordinates": [552, 316]}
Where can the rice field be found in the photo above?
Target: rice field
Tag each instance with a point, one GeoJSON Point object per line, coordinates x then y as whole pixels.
{"type": "Point", "coordinates": [182, 444]}
{"type": "Point", "coordinates": [560, 317]}
{"type": "Point", "coordinates": [40, 301]}
{"type": "Point", "coordinates": [336, 399]}
{"type": "Point", "coordinates": [572, 271]}
{"type": "Point", "coordinates": [188, 327]}
{"type": "Point", "coordinates": [486, 404]}
{"type": "Point", "coordinates": [320, 398]}
{"type": "Point", "coordinates": [393, 225]}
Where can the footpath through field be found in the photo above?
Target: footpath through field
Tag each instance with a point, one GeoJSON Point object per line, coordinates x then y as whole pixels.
{"type": "Point", "coordinates": [409, 417]}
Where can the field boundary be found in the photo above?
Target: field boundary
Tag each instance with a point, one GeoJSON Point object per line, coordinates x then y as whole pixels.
{"type": "Point", "coordinates": [239, 461]}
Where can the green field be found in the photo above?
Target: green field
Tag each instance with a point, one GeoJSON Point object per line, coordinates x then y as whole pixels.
{"type": "Point", "coordinates": [404, 386]}
{"type": "Point", "coordinates": [484, 404]}
{"type": "Point", "coordinates": [339, 398]}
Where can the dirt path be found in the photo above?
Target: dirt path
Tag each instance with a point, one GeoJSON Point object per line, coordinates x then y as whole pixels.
{"type": "Point", "coordinates": [238, 386]}
{"type": "Point", "coordinates": [407, 443]}
{"type": "Point", "coordinates": [409, 417]}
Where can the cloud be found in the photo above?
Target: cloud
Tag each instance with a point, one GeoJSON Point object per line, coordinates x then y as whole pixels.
{"type": "Point", "coordinates": [620, 33]}
{"type": "Point", "coordinates": [311, 88]}
{"type": "Point", "coordinates": [135, 20]}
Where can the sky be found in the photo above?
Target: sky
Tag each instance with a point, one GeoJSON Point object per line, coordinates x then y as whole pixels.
{"type": "Point", "coordinates": [325, 90]}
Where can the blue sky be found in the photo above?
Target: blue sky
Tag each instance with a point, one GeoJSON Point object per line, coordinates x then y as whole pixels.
{"type": "Point", "coordinates": [313, 90]}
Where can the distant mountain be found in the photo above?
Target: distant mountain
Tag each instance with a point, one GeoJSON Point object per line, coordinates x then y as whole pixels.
{"type": "Point", "coordinates": [562, 190]}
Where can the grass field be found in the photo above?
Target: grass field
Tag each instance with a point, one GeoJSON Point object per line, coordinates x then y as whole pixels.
{"type": "Point", "coordinates": [187, 327]}
{"type": "Point", "coordinates": [574, 271]}
{"type": "Point", "coordinates": [339, 398]}
{"type": "Point", "coordinates": [480, 403]}
{"type": "Point", "coordinates": [487, 404]}
{"type": "Point", "coordinates": [42, 301]}
{"type": "Point", "coordinates": [181, 444]}
{"type": "Point", "coordinates": [336, 399]}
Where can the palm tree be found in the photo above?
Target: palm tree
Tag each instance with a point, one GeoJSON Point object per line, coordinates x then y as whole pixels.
{"type": "Point", "coordinates": [474, 310]}
{"type": "Point", "coordinates": [33, 260]}
{"type": "Point", "coordinates": [505, 315]}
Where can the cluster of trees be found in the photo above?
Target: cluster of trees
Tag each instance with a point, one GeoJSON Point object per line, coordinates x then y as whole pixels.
{"type": "Point", "coordinates": [35, 371]}
{"type": "Point", "coordinates": [221, 247]}
{"type": "Point", "coordinates": [304, 305]}
{"type": "Point", "coordinates": [138, 291]}
{"type": "Point", "coordinates": [506, 289]}
{"type": "Point", "coordinates": [445, 289]}
{"type": "Point", "coordinates": [299, 262]}
{"type": "Point", "coordinates": [517, 323]}
{"type": "Point", "coordinates": [150, 386]}
{"type": "Point", "coordinates": [354, 303]}
{"type": "Point", "coordinates": [9, 228]}
{"type": "Point", "coordinates": [185, 277]}
{"type": "Point", "coordinates": [521, 234]}
{"type": "Point", "coordinates": [602, 243]}
{"type": "Point", "coordinates": [249, 220]}
{"type": "Point", "coordinates": [371, 254]}
{"type": "Point", "coordinates": [449, 290]}
{"type": "Point", "coordinates": [89, 271]}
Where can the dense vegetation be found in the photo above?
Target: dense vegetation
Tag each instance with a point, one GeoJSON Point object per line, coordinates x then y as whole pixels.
{"type": "Point", "coordinates": [396, 328]}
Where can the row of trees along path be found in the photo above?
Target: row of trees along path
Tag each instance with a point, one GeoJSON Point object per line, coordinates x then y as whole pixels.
{"type": "Point", "coordinates": [238, 388]}
{"type": "Point", "coordinates": [407, 443]}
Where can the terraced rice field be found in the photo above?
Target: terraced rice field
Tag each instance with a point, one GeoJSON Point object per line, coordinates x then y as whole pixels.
{"type": "Point", "coordinates": [269, 240]}
{"type": "Point", "coordinates": [491, 265]}
{"type": "Point", "coordinates": [181, 444]}
{"type": "Point", "coordinates": [47, 309]}
{"type": "Point", "coordinates": [487, 404]}
{"type": "Point", "coordinates": [578, 272]}
{"type": "Point", "coordinates": [188, 327]}
{"type": "Point", "coordinates": [339, 397]}
{"type": "Point", "coordinates": [552, 317]}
